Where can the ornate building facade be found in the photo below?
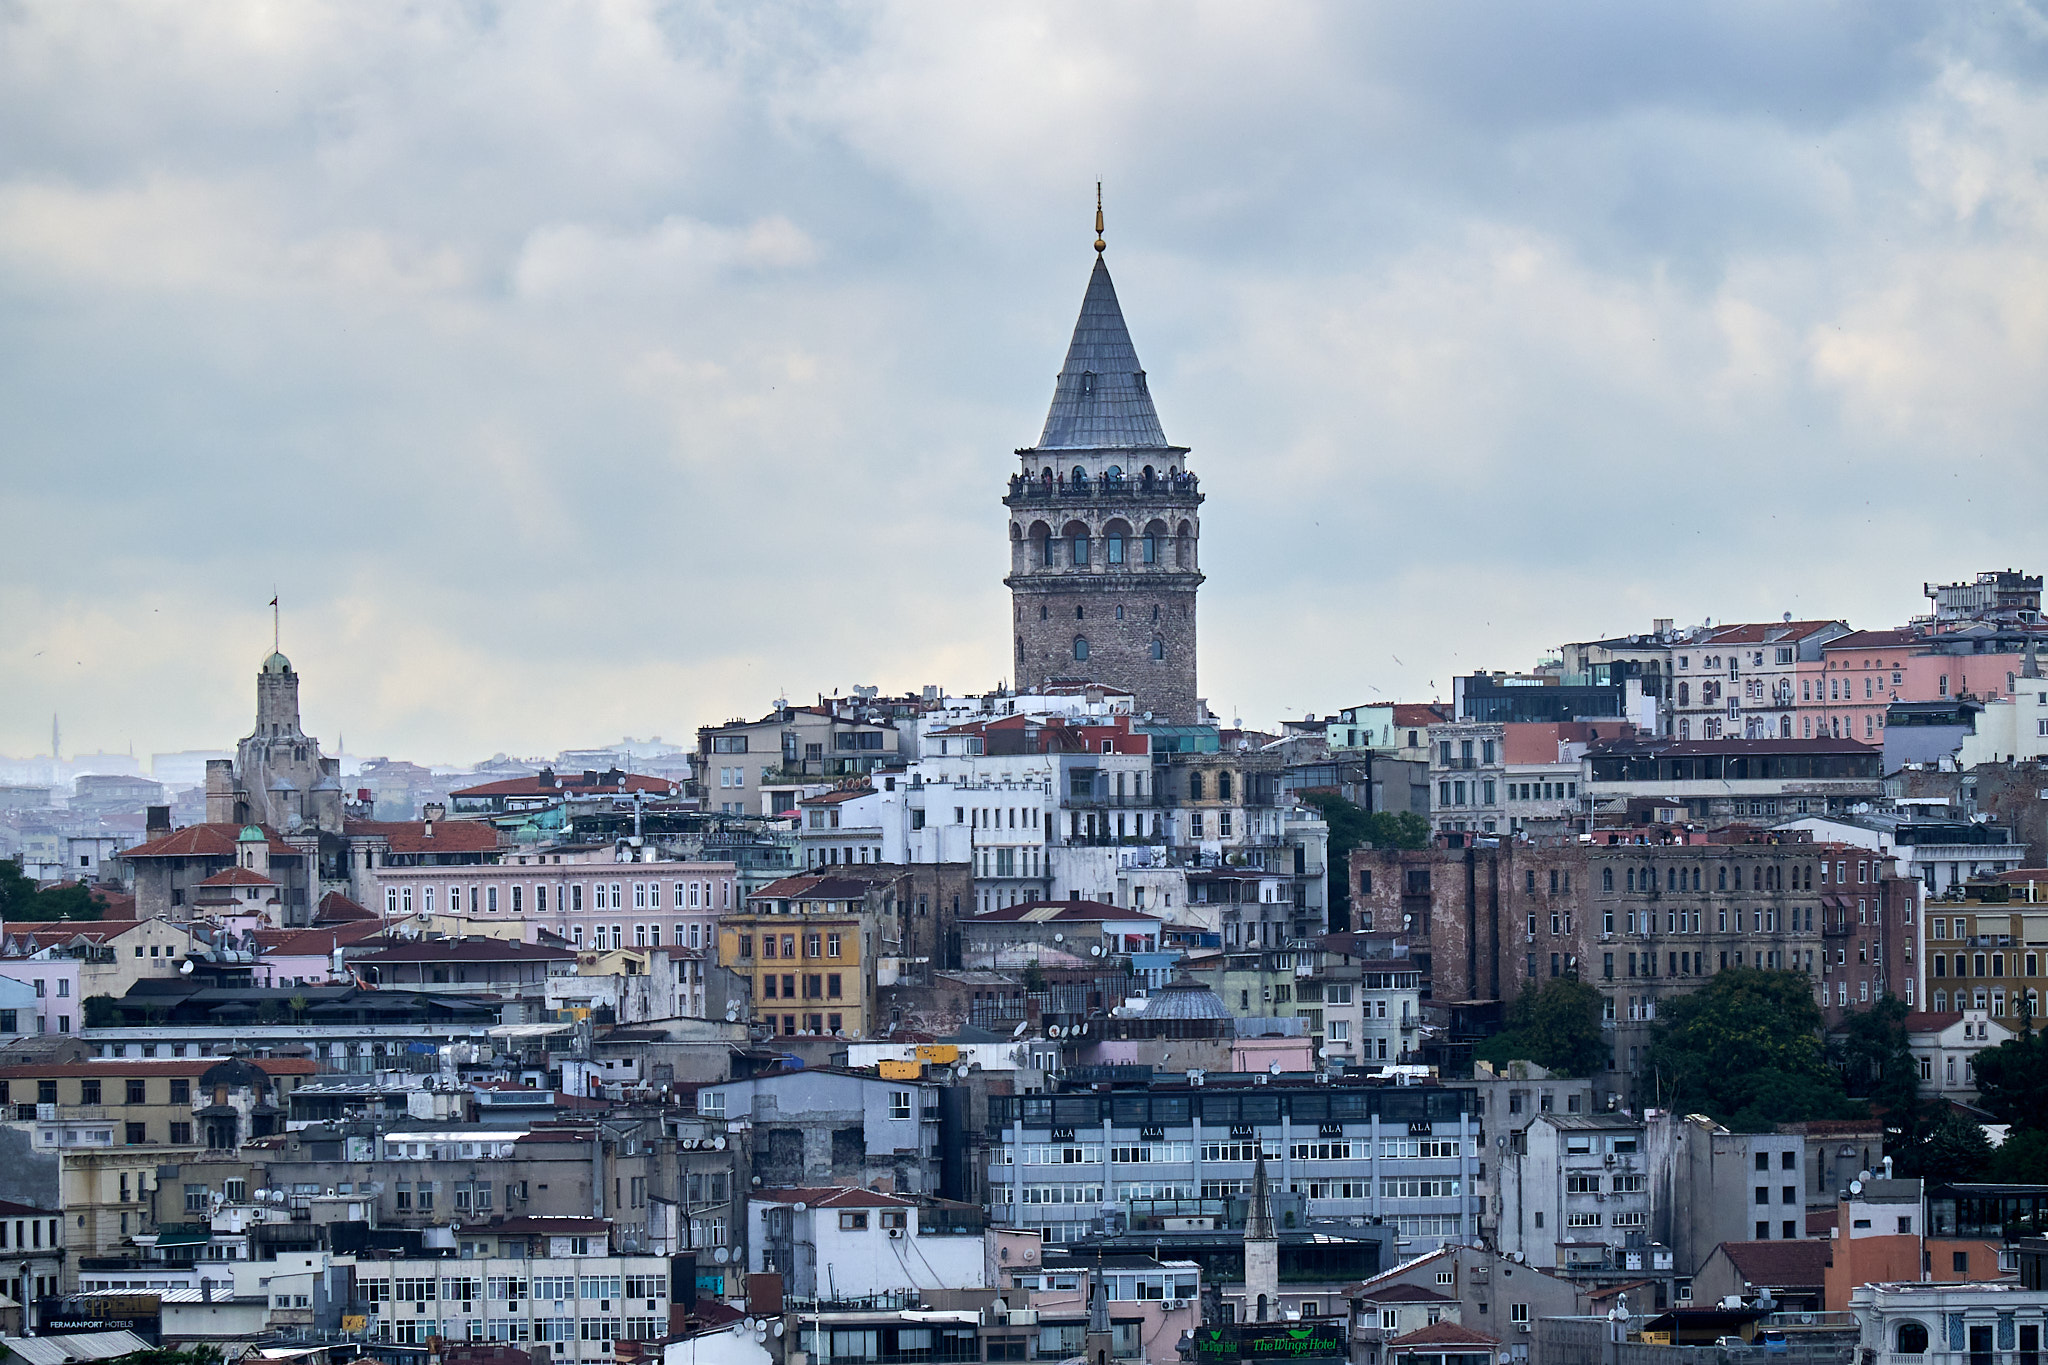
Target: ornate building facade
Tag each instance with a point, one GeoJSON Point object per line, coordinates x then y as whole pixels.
{"type": "Point", "coordinates": [1104, 523]}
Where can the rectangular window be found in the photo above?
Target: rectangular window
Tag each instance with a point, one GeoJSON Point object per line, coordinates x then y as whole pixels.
{"type": "Point", "coordinates": [899, 1104]}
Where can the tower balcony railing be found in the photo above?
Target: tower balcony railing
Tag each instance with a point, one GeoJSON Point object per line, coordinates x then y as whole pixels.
{"type": "Point", "coordinates": [1129, 486]}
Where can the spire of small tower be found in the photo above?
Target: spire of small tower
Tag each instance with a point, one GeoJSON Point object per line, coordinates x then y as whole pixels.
{"type": "Point", "coordinates": [1099, 243]}
{"type": "Point", "coordinates": [1098, 1299]}
{"type": "Point", "coordinates": [1258, 1222]}
{"type": "Point", "coordinates": [2032, 667]}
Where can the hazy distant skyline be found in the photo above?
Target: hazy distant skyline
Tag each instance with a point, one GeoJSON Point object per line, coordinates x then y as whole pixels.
{"type": "Point", "coordinates": [576, 372]}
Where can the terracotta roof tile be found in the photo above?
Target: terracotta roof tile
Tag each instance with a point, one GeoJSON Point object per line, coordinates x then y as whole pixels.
{"type": "Point", "coordinates": [204, 841]}
{"type": "Point", "coordinates": [1772, 1265]}
{"type": "Point", "coordinates": [1444, 1334]}
{"type": "Point", "coordinates": [239, 876]}
{"type": "Point", "coordinates": [410, 836]}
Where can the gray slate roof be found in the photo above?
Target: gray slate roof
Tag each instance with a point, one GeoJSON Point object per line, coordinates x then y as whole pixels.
{"type": "Point", "coordinates": [1100, 400]}
{"type": "Point", "coordinates": [1185, 999]}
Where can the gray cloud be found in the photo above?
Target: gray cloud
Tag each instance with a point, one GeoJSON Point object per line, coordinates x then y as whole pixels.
{"type": "Point", "coordinates": [581, 371]}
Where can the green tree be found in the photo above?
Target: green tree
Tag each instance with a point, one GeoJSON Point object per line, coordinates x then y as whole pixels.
{"type": "Point", "coordinates": [22, 899]}
{"type": "Point", "coordinates": [2022, 1159]}
{"type": "Point", "coordinates": [1747, 1044]}
{"type": "Point", "coordinates": [1876, 1063]}
{"type": "Point", "coordinates": [1953, 1147]}
{"type": "Point", "coordinates": [1034, 978]}
{"type": "Point", "coordinates": [2012, 1079]}
{"type": "Point", "coordinates": [1557, 1027]}
{"type": "Point", "coordinates": [102, 1011]}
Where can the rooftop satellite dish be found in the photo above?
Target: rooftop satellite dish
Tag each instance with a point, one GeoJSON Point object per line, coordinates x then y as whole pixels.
{"type": "Point", "coordinates": [719, 1142]}
{"type": "Point", "coordinates": [1855, 1187]}
{"type": "Point", "coordinates": [1273, 1069]}
{"type": "Point", "coordinates": [185, 967]}
{"type": "Point", "coordinates": [1095, 950]}
{"type": "Point", "coordinates": [1059, 938]}
{"type": "Point", "coordinates": [752, 1323]}
{"type": "Point", "coordinates": [720, 1255]}
{"type": "Point", "coordinates": [801, 1206]}
{"type": "Point", "coordinates": [1018, 1032]}
{"type": "Point", "coordinates": [778, 1329]}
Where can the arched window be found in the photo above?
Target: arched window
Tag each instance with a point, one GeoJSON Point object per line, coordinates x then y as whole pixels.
{"type": "Point", "coordinates": [1078, 550]}
{"type": "Point", "coordinates": [1911, 1339]}
{"type": "Point", "coordinates": [1158, 649]}
{"type": "Point", "coordinates": [1223, 786]}
{"type": "Point", "coordinates": [1685, 694]}
{"type": "Point", "coordinates": [1113, 475]}
{"type": "Point", "coordinates": [1080, 477]}
{"type": "Point", "coordinates": [1080, 647]}
{"type": "Point", "coordinates": [1145, 477]}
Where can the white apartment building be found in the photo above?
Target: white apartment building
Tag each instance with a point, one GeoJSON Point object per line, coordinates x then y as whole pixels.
{"type": "Point", "coordinates": [1574, 1192]}
{"type": "Point", "coordinates": [575, 1301]}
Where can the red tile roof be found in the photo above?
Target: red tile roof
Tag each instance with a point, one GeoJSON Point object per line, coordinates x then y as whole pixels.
{"type": "Point", "coordinates": [574, 783]}
{"type": "Point", "coordinates": [834, 798]}
{"type": "Point", "coordinates": [1400, 1293]}
{"type": "Point", "coordinates": [336, 908]}
{"type": "Point", "coordinates": [1419, 713]}
{"type": "Point", "coordinates": [239, 876]}
{"type": "Point", "coordinates": [832, 1197]}
{"type": "Point", "coordinates": [308, 942]}
{"type": "Point", "coordinates": [410, 836]}
{"type": "Point", "coordinates": [466, 950]}
{"type": "Point", "coordinates": [1927, 1021]}
{"type": "Point", "coordinates": [1763, 632]}
{"type": "Point", "coordinates": [1444, 1334]}
{"type": "Point", "coordinates": [204, 841]}
{"type": "Point", "coordinates": [1797, 1264]}
{"type": "Point", "coordinates": [1875, 639]}
{"type": "Point", "coordinates": [815, 887]}
{"type": "Point", "coordinates": [1062, 912]}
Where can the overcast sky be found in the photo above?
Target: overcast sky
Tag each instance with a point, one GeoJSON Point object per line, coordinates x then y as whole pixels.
{"type": "Point", "coordinates": [582, 371]}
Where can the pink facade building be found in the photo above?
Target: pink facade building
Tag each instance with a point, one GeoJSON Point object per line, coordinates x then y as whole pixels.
{"type": "Point", "coordinates": [584, 896]}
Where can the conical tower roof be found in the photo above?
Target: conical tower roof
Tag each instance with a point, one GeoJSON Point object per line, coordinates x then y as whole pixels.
{"type": "Point", "coordinates": [1100, 400]}
{"type": "Point", "coordinates": [1258, 1220]}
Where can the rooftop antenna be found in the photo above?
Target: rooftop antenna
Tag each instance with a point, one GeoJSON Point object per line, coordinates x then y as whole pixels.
{"type": "Point", "coordinates": [1099, 243]}
{"type": "Point", "coordinates": [276, 646]}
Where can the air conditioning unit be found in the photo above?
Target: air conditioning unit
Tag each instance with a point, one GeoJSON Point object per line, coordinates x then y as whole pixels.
{"type": "Point", "coordinates": [1521, 1327]}
{"type": "Point", "coordinates": [895, 1234]}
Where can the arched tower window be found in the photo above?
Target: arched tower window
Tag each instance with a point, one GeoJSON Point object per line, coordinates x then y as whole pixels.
{"type": "Point", "coordinates": [1081, 648]}
{"type": "Point", "coordinates": [1158, 649]}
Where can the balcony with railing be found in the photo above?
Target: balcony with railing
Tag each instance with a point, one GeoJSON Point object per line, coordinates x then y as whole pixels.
{"type": "Point", "coordinates": [1129, 486]}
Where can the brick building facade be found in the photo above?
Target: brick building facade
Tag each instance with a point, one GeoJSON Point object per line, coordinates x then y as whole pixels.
{"type": "Point", "coordinates": [1645, 922]}
{"type": "Point", "coordinates": [1104, 524]}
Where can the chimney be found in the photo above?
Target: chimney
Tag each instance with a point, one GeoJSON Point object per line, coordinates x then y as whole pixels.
{"type": "Point", "coordinates": [157, 822]}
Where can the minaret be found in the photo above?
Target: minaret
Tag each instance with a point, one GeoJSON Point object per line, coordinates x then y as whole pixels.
{"type": "Point", "coordinates": [1099, 1342]}
{"type": "Point", "coordinates": [1261, 1249]}
{"type": "Point", "coordinates": [1104, 523]}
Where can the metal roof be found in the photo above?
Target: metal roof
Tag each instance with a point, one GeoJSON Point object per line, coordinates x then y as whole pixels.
{"type": "Point", "coordinates": [1100, 400]}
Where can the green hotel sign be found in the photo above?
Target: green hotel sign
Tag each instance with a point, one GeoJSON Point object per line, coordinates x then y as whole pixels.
{"type": "Point", "coordinates": [1270, 1341]}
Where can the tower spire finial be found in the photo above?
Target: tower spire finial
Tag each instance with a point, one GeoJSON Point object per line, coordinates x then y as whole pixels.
{"type": "Point", "coordinates": [1099, 243]}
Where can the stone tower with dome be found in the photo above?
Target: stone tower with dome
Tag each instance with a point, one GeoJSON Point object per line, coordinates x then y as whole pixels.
{"type": "Point", "coordinates": [1104, 523]}
{"type": "Point", "coordinates": [279, 777]}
